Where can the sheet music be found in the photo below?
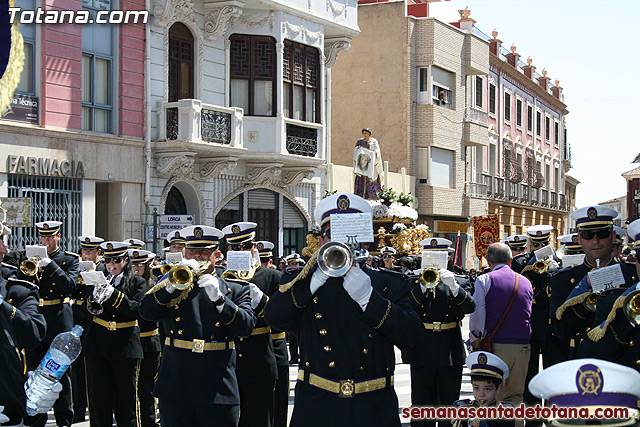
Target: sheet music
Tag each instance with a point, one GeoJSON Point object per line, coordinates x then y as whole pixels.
{"type": "Point", "coordinates": [544, 252]}
{"type": "Point", "coordinates": [435, 259]}
{"type": "Point", "coordinates": [352, 225]}
{"type": "Point", "coordinates": [606, 278]}
{"type": "Point", "coordinates": [174, 257]}
{"type": "Point", "coordinates": [36, 251]}
{"type": "Point", "coordinates": [571, 260]}
{"type": "Point", "coordinates": [93, 278]}
{"type": "Point", "coordinates": [239, 260]}
{"type": "Point", "coordinates": [86, 266]}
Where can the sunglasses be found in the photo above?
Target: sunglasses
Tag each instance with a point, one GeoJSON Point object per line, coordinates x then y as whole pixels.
{"type": "Point", "coordinates": [387, 256]}
{"type": "Point", "coordinates": [326, 233]}
{"type": "Point", "coordinates": [115, 260]}
{"type": "Point", "coordinates": [589, 234]}
{"type": "Point", "coordinates": [138, 264]}
{"type": "Point", "coordinates": [241, 246]}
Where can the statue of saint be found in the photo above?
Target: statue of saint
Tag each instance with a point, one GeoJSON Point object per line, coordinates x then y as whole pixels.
{"type": "Point", "coordinates": [367, 166]}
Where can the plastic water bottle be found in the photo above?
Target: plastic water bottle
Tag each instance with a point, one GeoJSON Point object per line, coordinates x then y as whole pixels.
{"type": "Point", "coordinates": [64, 349]}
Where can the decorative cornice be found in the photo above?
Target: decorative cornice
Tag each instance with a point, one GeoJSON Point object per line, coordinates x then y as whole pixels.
{"type": "Point", "coordinates": [213, 167]}
{"type": "Point", "coordinates": [166, 11]}
{"type": "Point", "coordinates": [263, 173]}
{"type": "Point", "coordinates": [332, 47]}
{"type": "Point", "coordinates": [218, 21]}
{"type": "Point", "coordinates": [337, 8]}
{"type": "Point", "coordinates": [293, 176]}
{"type": "Point", "coordinates": [180, 165]}
{"type": "Point", "coordinates": [294, 30]}
{"type": "Point", "coordinates": [257, 24]}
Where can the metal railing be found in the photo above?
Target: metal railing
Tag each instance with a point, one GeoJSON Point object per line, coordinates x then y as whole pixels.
{"type": "Point", "coordinates": [525, 191]}
{"type": "Point", "coordinates": [499, 189]}
{"type": "Point", "coordinates": [554, 199]}
{"type": "Point", "coordinates": [544, 199]}
{"type": "Point", "coordinates": [513, 188]}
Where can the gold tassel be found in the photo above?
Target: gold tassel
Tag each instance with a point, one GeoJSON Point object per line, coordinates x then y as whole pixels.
{"type": "Point", "coordinates": [11, 78]}
{"type": "Point", "coordinates": [312, 261]}
{"type": "Point", "coordinates": [183, 295]}
{"type": "Point", "coordinates": [596, 334]}
{"type": "Point", "coordinates": [573, 301]}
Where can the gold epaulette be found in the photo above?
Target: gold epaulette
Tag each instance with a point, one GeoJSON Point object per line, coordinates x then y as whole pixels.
{"type": "Point", "coordinates": [161, 285]}
{"type": "Point", "coordinates": [312, 261]}
{"type": "Point", "coordinates": [579, 299]}
{"type": "Point", "coordinates": [596, 334]}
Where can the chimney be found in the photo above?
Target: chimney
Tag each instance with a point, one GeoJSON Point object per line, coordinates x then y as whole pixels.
{"type": "Point", "coordinates": [512, 58]}
{"type": "Point", "coordinates": [495, 44]}
{"type": "Point", "coordinates": [529, 70]}
{"type": "Point", "coordinates": [544, 80]}
{"type": "Point", "coordinates": [557, 90]}
{"type": "Point", "coordinates": [465, 22]}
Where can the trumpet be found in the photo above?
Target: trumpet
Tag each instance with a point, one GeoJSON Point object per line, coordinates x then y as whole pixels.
{"type": "Point", "coordinates": [161, 269]}
{"type": "Point", "coordinates": [540, 266]}
{"type": "Point", "coordinates": [429, 277]}
{"type": "Point", "coordinates": [181, 276]}
{"type": "Point", "coordinates": [590, 302]}
{"type": "Point", "coordinates": [95, 300]}
{"type": "Point", "coordinates": [631, 307]}
{"type": "Point", "coordinates": [335, 259]}
{"type": "Point", "coordinates": [29, 267]}
{"type": "Point", "coordinates": [240, 274]}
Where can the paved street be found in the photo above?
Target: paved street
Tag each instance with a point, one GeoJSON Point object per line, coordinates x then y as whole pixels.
{"type": "Point", "coordinates": [402, 384]}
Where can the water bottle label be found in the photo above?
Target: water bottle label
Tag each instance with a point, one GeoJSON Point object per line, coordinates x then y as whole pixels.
{"type": "Point", "coordinates": [52, 367]}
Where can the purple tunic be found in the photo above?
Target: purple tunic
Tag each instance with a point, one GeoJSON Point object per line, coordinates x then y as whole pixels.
{"type": "Point", "coordinates": [363, 186]}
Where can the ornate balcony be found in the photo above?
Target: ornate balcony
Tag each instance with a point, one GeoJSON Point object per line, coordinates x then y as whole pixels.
{"type": "Point", "coordinates": [476, 131]}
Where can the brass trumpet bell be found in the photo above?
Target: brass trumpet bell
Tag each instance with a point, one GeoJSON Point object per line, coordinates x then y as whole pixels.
{"type": "Point", "coordinates": [591, 301]}
{"type": "Point", "coordinates": [94, 307]}
{"type": "Point", "coordinates": [631, 307]}
{"type": "Point", "coordinates": [540, 267]}
{"type": "Point", "coordinates": [335, 259]}
{"type": "Point", "coordinates": [161, 270]}
{"type": "Point", "coordinates": [29, 267]}
{"type": "Point", "coordinates": [429, 277]}
{"type": "Point", "coordinates": [180, 277]}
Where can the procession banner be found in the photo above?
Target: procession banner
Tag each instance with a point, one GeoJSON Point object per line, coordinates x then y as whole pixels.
{"type": "Point", "coordinates": [486, 230]}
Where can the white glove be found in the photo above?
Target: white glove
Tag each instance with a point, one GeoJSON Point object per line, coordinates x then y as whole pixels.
{"type": "Point", "coordinates": [449, 279]}
{"type": "Point", "coordinates": [256, 295]}
{"type": "Point", "coordinates": [358, 286]}
{"type": "Point", "coordinates": [191, 263]}
{"type": "Point", "coordinates": [44, 262]}
{"type": "Point", "coordinates": [106, 291]}
{"type": "Point", "coordinates": [553, 265]}
{"type": "Point", "coordinates": [317, 280]}
{"type": "Point", "coordinates": [47, 400]}
{"type": "Point", "coordinates": [3, 417]}
{"type": "Point", "coordinates": [211, 286]}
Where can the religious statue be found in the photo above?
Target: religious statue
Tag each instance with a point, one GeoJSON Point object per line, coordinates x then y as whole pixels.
{"type": "Point", "coordinates": [367, 166]}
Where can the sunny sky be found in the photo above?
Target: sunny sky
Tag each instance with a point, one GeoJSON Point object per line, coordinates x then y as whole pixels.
{"type": "Point", "coordinates": [590, 46]}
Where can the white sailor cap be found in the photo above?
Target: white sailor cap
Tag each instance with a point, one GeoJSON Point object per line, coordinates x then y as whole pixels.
{"type": "Point", "coordinates": [570, 241]}
{"type": "Point", "coordinates": [114, 249]}
{"type": "Point", "coordinates": [135, 243]}
{"type": "Point", "coordinates": [240, 232]}
{"type": "Point", "coordinates": [435, 244]}
{"type": "Point", "coordinates": [594, 217]}
{"type": "Point", "coordinates": [587, 383]}
{"type": "Point", "coordinates": [388, 250]}
{"type": "Point", "coordinates": [518, 241]}
{"type": "Point", "coordinates": [633, 230]}
{"type": "Point", "coordinates": [48, 228]}
{"type": "Point", "coordinates": [264, 248]}
{"type": "Point", "coordinates": [620, 234]}
{"type": "Point", "coordinates": [138, 256]}
{"type": "Point", "coordinates": [90, 242]}
{"type": "Point", "coordinates": [201, 236]}
{"type": "Point", "coordinates": [294, 257]}
{"type": "Point", "coordinates": [339, 204]}
{"type": "Point", "coordinates": [487, 364]}
{"type": "Point", "coordinates": [175, 237]}
{"type": "Point", "coordinates": [539, 233]}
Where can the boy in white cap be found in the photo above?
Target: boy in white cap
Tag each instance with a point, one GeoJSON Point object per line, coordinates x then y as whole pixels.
{"type": "Point", "coordinates": [388, 257]}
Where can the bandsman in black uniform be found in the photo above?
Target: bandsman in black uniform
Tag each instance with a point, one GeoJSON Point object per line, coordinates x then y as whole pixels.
{"type": "Point", "coordinates": [256, 368]}
{"type": "Point", "coordinates": [388, 257]}
{"type": "Point", "coordinates": [271, 279]}
{"type": "Point", "coordinates": [571, 244]}
{"type": "Point", "coordinates": [197, 384]}
{"type": "Point", "coordinates": [7, 270]}
{"type": "Point", "coordinates": [347, 327]}
{"type": "Point", "coordinates": [618, 243]}
{"type": "Point", "coordinates": [615, 332]}
{"type": "Point", "coordinates": [176, 241]}
{"type": "Point", "coordinates": [436, 365]}
{"type": "Point", "coordinates": [134, 243]}
{"type": "Point", "coordinates": [518, 245]}
{"type": "Point", "coordinates": [111, 341]}
{"type": "Point", "coordinates": [56, 280]}
{"type": "Point", "coordinates": [293, 265]}
{"type": "Point", "coordinates": [89, 251]}
{"type": "Point", "coordinates": [571, 316]}
{"type": "Point", "coordinates": [150, 341]}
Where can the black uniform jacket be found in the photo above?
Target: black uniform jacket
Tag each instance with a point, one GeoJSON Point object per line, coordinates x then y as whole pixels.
{"type": "Point", "coordinates": [21, 326]}
{"type": "Point", "coordinates": [338, 341]}
{"type": "Point", "coordinates": [188, 376]}
{"type": "Point", "coordinates": [270, 278]}
{"type": "Point", "coordinates": [256, 360]}
{"type": "Point", "coordinates": [79, 299]}
{"type": "Point", "coordinates": [122, 308]}
{"type": "Point", "coordinates": [520, 261]}
{"type": "Point", "coordinates": [438, 306]}
{"type": "Point", "coordinates": [57, 282]}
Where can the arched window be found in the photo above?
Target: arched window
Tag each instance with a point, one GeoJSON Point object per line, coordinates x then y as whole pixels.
{"type": "Point", "coordinates": [181, 63]}
{"type": "Point", "coordinates": [176, 204]}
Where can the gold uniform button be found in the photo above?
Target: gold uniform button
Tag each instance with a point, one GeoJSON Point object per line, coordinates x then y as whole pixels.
{"type": "Point", "coordinates": [318, 316]}
{"type": "Point", "coordinates": [179, 331]}
{"type": "Point", "coordinates": [327, 348]}
{"type": "Point", "coordinates": [178, 319]}
{"type": "Point", "coordinates": [217, 325]}
{"type": "Point", "coordinates": [424, 314]}
{"type": "Point", "coordinates": [631, 343]}
{"type": "Point", "coordinates": [384, 289]}
{"type": "Point", "coordinates": [637, 362]}
{"type": "Point", "coordinates": [332, 364]}
{"type": "Point", "coordinates": [361, 368]}
{"type": "Point", "coordinates": [240, 339]}
{"type": "Point", "coordinates": [171, 331]}
{"type": "Point", "coordinates": [315, 300]}
{"type": "Point", "coordinates": [323, 332]}
{"type": "Point", "coordinates": [370, 335]}
{"type": "Point", "coordinates": [239, 354]}
{"type": "Point", "coordinates": [365, 351]}
{"type": "Point", "coordinates": [176, 307]}
{"type": "Point", "coordinates": [51, 290]}
{"type": "Point", "coordinates": [306, 364]}
{"type": "Point", "coordinates": [573, 280]}
{"type": "Point", "coordinates": [212, 338]}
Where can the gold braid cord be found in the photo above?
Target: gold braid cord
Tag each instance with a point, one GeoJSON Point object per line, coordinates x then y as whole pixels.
{"type": "Point", "coordinates": [11, 77]}
{"type": "Point", "coordinates": [183, 295]}
{"type": "Point", "coordinates": [596, 334]}
{"type": "Point", "coordinates": [579, 299]}
{"type": "Point", "coordinates": [312, 261]}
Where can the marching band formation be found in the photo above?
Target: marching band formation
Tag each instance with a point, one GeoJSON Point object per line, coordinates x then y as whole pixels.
{"type": "Point", "coordinates": [182, 340]}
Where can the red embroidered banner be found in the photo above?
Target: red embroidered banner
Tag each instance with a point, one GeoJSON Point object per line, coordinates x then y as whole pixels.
{"type": "Point", "coordinates": [486, 230]}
